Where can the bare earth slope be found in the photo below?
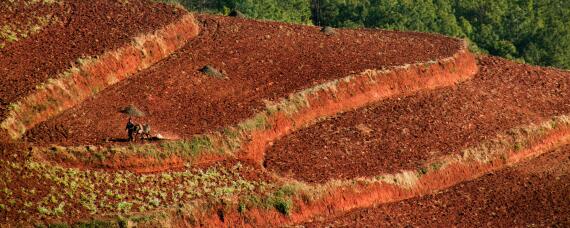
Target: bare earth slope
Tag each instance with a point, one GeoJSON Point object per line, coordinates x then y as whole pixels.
{"type": "Point", "coordinates": [403, 133]}
{"type": "Point", "coordinates": [532, 193]}
{"type": "Point", "coordinates": [262, 60]}
{"type": "Point", "coordinates": [77, 29]}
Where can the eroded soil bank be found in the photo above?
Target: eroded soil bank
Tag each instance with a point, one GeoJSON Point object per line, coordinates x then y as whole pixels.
{"type": "Point", "coordinates": [262, 61]}
{"type": "Point", "coordinates": [533, 193]}
{"type": "Point", "coordinates": [403, 133]}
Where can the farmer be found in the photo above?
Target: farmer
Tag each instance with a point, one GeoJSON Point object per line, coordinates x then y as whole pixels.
{"type": "Point", "coordinates": [130, 129]}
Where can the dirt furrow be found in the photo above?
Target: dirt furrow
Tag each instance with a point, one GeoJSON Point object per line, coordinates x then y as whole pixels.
{"type": "Point", "coordinates": [261, 60]}
{"type": "Point", "coordinates": [77, 29]}
{"type": "Point", "coordinates": [403, 133]}
{"type": "Point", "coordinates": [537, 194]}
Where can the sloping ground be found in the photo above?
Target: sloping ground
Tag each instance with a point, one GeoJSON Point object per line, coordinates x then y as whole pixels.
{"type": "Point", "coordinates": [38, 193]}
{"type": "Point", "coordinates": [262, 61]}
{"type": "Point", "coordinates": [22, 19]}
{"type": "Point", "coordinates": [76, 29]}
{"type": "Point", "coordinates": [492, 117]}
{"type": "Point", "coordinates": [404, 133]}
{"type": "Point", "coordinates": [533, 193]}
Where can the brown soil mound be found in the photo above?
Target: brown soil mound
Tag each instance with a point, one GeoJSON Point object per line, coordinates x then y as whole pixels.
{"type": "Point", "coordinates": [260, 60]}
{"type": "Point", "coordinates": [403, 133]}
{"type": "Point", "coordinates": [83, 28]}
{"type": "Point", "coordinates": [536, 195]}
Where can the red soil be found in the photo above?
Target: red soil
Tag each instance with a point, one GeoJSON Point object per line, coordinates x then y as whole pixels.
{"type": "Point", "coordinates": [85, 28]}
{"type": "Point", "coordinates": [537, 194]}
{"type": "Point", "coordinates": [76, 212]}
{"type": "Point", "coordinates": [340, 200]}
{"type": "Point", "coordinates": [262, 60]}
{"type": "Point", "coordinates": [404, 133]}
{"type": "Point", "coordinates": [360, 91]}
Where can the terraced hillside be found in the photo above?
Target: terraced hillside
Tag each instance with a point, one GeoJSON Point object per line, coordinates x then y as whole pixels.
{"type": "Point", "coordinates": [262, 62]}
{"type": "Point", "coordinates": [536, 195]}
{"type": "Point", "coordinates": [51, 36]}
{"type": "Point", "coordinates": [297, 126]}
{"type": "Point", "coordinates": [402, 133]}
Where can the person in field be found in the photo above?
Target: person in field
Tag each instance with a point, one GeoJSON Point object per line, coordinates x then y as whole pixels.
{"type": "Point", "coordinates": [131, 129]}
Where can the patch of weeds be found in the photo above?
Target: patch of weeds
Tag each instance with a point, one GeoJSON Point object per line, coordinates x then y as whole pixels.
{"type": "Point", "coordinates": [124, 207]}
{"type": "Point", "coordinates": [166, 177]}
{"type": "Point", "coordinates": [281, 199]}
{"type": "Point", "coordinates": [233, 138]}
{"type": "Point", "coordinates": [518, 146]}
{"type": "Point", "coordinates": [283, 205]}
{"type": "Point", "coordinates": [61, 225]}
{"type": "Point", "coordinates": [255, 123]}
{"type": "Point", "coordinates": [13, 107]}
{"type": "Point", "coordinates": [95, 224]}
{"type": "Point", "coordinates": [200, 143]}
{"type": "Point", "coordinates": [286, 190]}
{"type": "Point", "coordinates": [242, 207]}
{"type": "Point", "coordinates": [436, 166]}
{"type": "Point", "coordinates": [422, 171]}
{"type": "Point", "coordinates": [44, 210]}
{"type": "Point", "coordinates": [155, 202]}
{"type": "Point", "coordinates": [59, 210]}
{"type": "Point", "coordinates": [39, 108]}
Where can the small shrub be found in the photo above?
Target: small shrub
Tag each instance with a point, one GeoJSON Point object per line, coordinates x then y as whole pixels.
{"type": "Point", "coordinates": [200, 143]}
{"type": "Point", "coordinates": [519, 146]}
{"type": "Point", "coordinates": [44, 211]}
{"type": "Point", "coordinates": [59, 209]}
{"type": "Point", "coordinates": [154, 202]}
{"type": "Point", "coordinates": [422, 171]}
{"type": "Point", "coordinates": [436, 166]}
{"type": "Point", "coordinates": [283, 205]}
{"type": "Point", "coordinates": [94, 224]}
{"type": "Point", "coordinates": [124, 207]}
{"type": "Point", "coordinates": [242, 207]}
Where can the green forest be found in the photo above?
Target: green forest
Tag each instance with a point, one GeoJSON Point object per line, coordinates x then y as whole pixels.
{"type": "Point", "coordinates": [531, 31]}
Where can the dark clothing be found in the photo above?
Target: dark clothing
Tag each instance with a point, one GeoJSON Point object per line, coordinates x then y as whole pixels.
{"type": "Point", "coordinates": [130, 126]}
{"type": "Point", "coordinates": [130, 129]}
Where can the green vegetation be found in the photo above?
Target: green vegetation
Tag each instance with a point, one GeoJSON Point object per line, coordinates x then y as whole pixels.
{"type": "Point", "coordinates": [124, 193]}
{"type": "Point", "coordinates": [120, 192]}
{"type": "Point", "coordinates": [294, 11]}
{"type": "Point", "coordinates": [536, 32]}
{"type": "Point", "coordinates": [12, 31]}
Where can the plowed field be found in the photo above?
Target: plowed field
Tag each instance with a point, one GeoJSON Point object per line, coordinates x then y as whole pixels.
{"type": "Point", "coordinates": [76, 29]}
{"type": "Point", "coordinates": [532, 193]}
{"type": "Point", "coordinates": [404, 133]}
{"type": "Point", "coordinates": [300, 166]}
{"type": "Point", "coordinates": [262, 61]}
